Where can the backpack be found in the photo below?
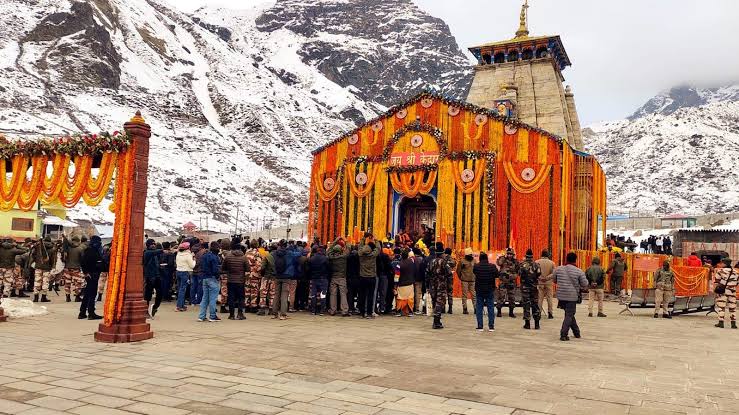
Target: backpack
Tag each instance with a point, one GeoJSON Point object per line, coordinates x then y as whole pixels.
{"type": "Point", "coordinates": [280, 263]}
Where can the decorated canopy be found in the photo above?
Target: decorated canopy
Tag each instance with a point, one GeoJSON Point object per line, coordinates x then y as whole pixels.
{"type": "Point", "coordinates": [495, 182]}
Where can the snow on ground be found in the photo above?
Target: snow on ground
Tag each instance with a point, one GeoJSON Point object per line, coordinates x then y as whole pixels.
{"type": "Point", "coordinates": [731, 226]}
{"type": "Point", "coordinates": [15, 308]}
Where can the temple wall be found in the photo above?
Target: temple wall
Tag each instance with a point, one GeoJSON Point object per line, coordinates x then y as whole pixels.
{"type": "Point", "coordinates": [541, 97]}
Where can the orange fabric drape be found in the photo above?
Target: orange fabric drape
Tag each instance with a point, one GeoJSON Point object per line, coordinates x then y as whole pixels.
{"type": "Point", "coordinates": [521, 186]}
{"type": "Point", "coordinates": [690, 281]}
{"type": "Point", "coordinates": [25, 191]}
{"type": "Point", "coordinates": [323, 194]}
{"type": "Point", "coordinates": [362, 191]}
{"type": "Point", "coordinates": [467, 188]}
{"type": "Point", "coordinates": [30, 189]}
{"type": "Point", "coordinates": [411, 184]}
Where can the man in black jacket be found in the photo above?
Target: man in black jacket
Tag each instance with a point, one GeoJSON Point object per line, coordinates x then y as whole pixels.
{"type": "Point", "coordinates": [485, 275]}
{"type": "Point", "coordinates": [91, 264]}
{"type": "Point", "coordinates": [318, 272]}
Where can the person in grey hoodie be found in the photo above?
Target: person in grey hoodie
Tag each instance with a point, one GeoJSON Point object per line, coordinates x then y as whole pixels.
{"type": "Point", "coordinates": [368, 252]}
{"type": "Point", "coordinates": [337, 255]}
{"type": "Point", "coordinates": [570, 281]}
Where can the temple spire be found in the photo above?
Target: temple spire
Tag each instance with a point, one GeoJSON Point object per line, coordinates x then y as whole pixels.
{"type": "Point", "coordinates": [523, 28]}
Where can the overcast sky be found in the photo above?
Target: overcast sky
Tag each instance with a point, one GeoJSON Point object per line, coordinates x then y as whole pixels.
{"type": "Point", "coordinates": [622, 52]}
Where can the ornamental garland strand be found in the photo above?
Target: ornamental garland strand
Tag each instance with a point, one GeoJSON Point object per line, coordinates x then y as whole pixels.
{"type": "Point", "coordinates": [490, 182]}
{"type": "Point", "coordinates": [77, 145]}
{"type": "Point", "coordinates": [425, 94]}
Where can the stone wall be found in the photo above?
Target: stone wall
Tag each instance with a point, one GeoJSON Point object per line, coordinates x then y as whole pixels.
{"type": "Point", "coordinates": [541, 99]}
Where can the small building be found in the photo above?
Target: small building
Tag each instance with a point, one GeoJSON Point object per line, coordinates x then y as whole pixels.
{"type": "Point", "coordinates": [678, 221]}
{"type": "Point", "coordinates": [712, 243]}
{"type": "Point", "coordinates": [37, 222]}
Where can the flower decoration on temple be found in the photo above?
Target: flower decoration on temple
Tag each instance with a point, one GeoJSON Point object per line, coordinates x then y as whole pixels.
{"type": "Point", "coordinates": [490, 181]}
{"type": "Point", "coordinates": [412, 169]}
{"type": "Point", "coordinates": [70, 145]}
{"type": "Point", "coordinates": [426, 98]}
{"type": "Point", "coordinates": [416, 126]}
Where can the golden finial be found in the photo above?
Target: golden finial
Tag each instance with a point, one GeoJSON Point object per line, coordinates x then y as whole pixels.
{"type": "Point", "coordinates": [137, 119]}
{"type": "Point", "coordinates": [523, 27]}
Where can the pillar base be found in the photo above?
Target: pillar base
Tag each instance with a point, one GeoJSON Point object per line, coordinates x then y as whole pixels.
{"type": "Point", "coordinates": [3, 317]}
{"type": "Point", "coordinates": [132, 327]}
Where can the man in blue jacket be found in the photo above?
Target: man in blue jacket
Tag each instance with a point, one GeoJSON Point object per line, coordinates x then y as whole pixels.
{"type": "Point", "coordinates": [285, 273]}
{"type": "Point", "coordinates": [210, 266]}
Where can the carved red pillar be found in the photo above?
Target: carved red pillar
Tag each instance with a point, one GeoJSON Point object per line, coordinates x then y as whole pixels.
{"type": "Point", "coordinates": [132, 325]}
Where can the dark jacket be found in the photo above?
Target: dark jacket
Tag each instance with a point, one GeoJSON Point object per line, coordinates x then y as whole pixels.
{"type": "Point", "coordinates": [368, 261]}
{"type": "Point", "coordinates": [485, 275]}
{"type": "Point", "coordinates": [337, 258]}
{"type": "Point", "coordinates": [596, 276]}
{"type": "Point", "coordinates": [420, 268]}
{"type": "Point", "coordinates": [73, 257]}
{"type": "Point", "coordinates": [198, 259]}
{"type": "Point", "coordinates": [235, 266]}
{"type": "Point", "coordinates": [92, 260]}
{"type": "Point", "coordinates": [152, 257]}
{"type": "Point", "coordinates": [301, 265]}
{"type": "Point", "coordinates": [318, 268]}
{"type": "Point", "coordinates": [210, 265]}
{"type": "Point", "coordinates": [8, 251]}
{"type": "Point", "coordinates": [407, 272]}
{"type": "Point", "coordinates": [385, 266]}
{"type": "Point", "coordinates": [465, 269]}
{"type": "Point", "coordinates": [352, 265]}
{"type": "Point", "coordinates": [44, 255]}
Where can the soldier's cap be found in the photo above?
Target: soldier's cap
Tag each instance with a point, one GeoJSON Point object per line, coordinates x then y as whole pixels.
{"type": "Point", "coordinates": [47, 238]}
{"type": "Point", "coordinates": [529, 253]}
{"type": "Point", "coordinates": [666, 262]}
{"type": "Point", "coordinates": [617, 255]}
{"type": "Point", "coordinates": [28, 240]}
{"type": "Point", "coordinates": [596, 261]}
{"type": "Point", "coordinates": [510, 250]}
{"type": "Point", "coordinates": [439, 247]}
{"type": "Point", "coordinates": [75, 238]}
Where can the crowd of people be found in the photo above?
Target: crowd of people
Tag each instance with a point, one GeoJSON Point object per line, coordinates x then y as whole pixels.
{"type": "Point", "coordinates": [76, 265]}
{"type": "Point", "coordinates": [368, 279]}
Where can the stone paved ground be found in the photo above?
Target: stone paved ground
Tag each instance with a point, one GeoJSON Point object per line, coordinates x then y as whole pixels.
{"type": "Point", "coordinates": [389, 366]}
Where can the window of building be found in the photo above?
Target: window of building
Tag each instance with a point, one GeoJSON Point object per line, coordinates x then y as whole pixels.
{"type": "Point", "coordinates": [22, 224]}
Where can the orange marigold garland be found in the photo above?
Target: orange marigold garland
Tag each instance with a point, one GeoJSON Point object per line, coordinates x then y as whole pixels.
{"type": "Point", "coordinates": [31, 189]}
{"type": "Point", "coordinates": [119, 248]}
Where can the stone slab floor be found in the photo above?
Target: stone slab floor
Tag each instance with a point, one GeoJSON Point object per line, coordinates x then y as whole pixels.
{"type": "Point", "coordinates": [388, 366]}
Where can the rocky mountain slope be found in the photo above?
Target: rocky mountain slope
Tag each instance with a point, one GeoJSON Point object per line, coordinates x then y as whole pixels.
{"type": "Point", "coordinates": [236, 99]}
{"type": "Point", "coordinates": [677, 153]}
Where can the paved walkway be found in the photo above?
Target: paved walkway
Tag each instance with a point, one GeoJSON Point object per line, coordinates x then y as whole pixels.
{"type": "Point", "coordinates": [388, 366]}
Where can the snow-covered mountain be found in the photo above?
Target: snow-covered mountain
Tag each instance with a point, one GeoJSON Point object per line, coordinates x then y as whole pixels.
{"type": "Point", "coordinates": [677, 153]}
{"type": "Point", "coordinates": [236, 99]}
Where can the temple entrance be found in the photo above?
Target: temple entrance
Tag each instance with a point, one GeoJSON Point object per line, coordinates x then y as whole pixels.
{"type": "Point", "coordinates": [416, 214]}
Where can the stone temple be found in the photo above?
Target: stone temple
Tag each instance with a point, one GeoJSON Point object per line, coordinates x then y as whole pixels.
{"type": "Point", "coordinates": [524, 75]}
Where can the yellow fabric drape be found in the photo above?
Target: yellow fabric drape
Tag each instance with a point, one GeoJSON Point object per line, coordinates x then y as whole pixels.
{"type": "Point", "coordinates": [521, 186]}
{"type": "Point", "coordinates": [522, 145]}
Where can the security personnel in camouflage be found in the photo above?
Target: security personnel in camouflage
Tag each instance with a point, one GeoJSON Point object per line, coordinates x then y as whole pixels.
{"type": "Point", "coordinates": [530, 273]}
{"type": "Point", "coordinates": [508, 270]}
{"type": "Point", "coordinates": [450, 279]}
{"type": "Point", "coordinates": [437, 275]}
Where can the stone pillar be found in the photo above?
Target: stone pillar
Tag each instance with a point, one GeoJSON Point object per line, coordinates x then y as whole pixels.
{"type": "Point", "coordinates": [574, 119]}
{"type": "Point", "coordinates": [132, 325]}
